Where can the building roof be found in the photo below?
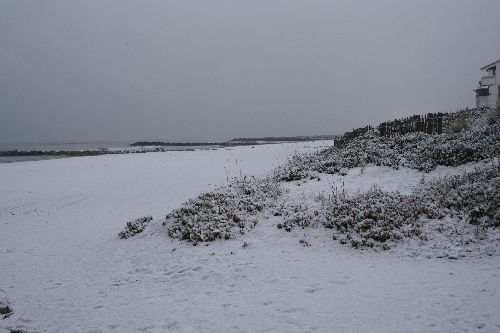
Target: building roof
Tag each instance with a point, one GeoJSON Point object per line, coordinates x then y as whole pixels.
{"type": "Point", "coordinates": [490, 65]}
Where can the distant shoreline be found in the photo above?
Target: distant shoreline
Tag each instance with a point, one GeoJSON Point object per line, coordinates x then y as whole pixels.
{"type": "Point", "coordinates": [153, 146]}
{"type": "Point", "coordinates": [236, 142]}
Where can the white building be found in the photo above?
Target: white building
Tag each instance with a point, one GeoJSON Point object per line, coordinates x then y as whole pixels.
{"type": "Point", "coordinates": [488, 93]}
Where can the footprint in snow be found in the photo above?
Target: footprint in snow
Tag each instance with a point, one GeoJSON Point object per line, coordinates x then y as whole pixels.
{"type": "Point", "coordinates": [311, 290]}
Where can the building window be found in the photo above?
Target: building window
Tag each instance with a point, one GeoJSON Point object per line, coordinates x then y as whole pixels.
{"type": "Point", "coordinates": [483, 91]}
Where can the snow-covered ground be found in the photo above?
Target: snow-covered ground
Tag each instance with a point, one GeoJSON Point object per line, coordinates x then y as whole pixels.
{"type": "Point", "coordinates": [63, 268]}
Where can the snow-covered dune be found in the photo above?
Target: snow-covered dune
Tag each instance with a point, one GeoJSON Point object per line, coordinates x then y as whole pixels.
{"type": "Point", "coordinates": [63, 268]}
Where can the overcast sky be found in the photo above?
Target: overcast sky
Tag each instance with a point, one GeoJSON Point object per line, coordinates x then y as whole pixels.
{"type": "Point", "coordinates": [217, 69]}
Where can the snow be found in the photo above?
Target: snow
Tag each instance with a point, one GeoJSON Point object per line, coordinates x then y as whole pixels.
{"type": "Point", "coordinates": [63, 268]}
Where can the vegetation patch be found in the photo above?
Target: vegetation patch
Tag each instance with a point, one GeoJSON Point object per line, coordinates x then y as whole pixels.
{"type": "Point", "coordinates": [135, 227]}
{"type": "Point", "coordinates": [373, 218]}
{"type": "Point", "coordinates": [464, 136]}
{"type": "Point", "coordinates": [464, 206]}
{"type": "Point", "coordinates": [223, 213]}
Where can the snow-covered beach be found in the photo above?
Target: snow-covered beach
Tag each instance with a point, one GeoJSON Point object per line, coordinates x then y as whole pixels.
{"type": "Point", "coordinates": [249, 166]}
{"type": "Point", "coordinates": [63, 268]}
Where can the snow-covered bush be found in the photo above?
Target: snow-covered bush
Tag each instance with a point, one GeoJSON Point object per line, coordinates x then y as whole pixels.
{"type": "Point", "coordinates": [135, 227]}
{"type": "Point", "coordinates": [382, 218]}
{"type": "Point", "coordinates": [461, 204]}
{"type": "Point", "coordinates": [464, 119]}
{"type": "Point", "coordinates": [294, 169]}
{"type": "Point", "coordinates": [416, 150]}
{"type": "Point", "coordinates": [374, 217]}
{"type": "Point", "coordinates": [474, 196]}
{"type": "Point", "coordinates": [295, 216]}
{"type": "Point", "coordinates": [222, 213]}
{"type": "Point", "coordinates": [493, 116]}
